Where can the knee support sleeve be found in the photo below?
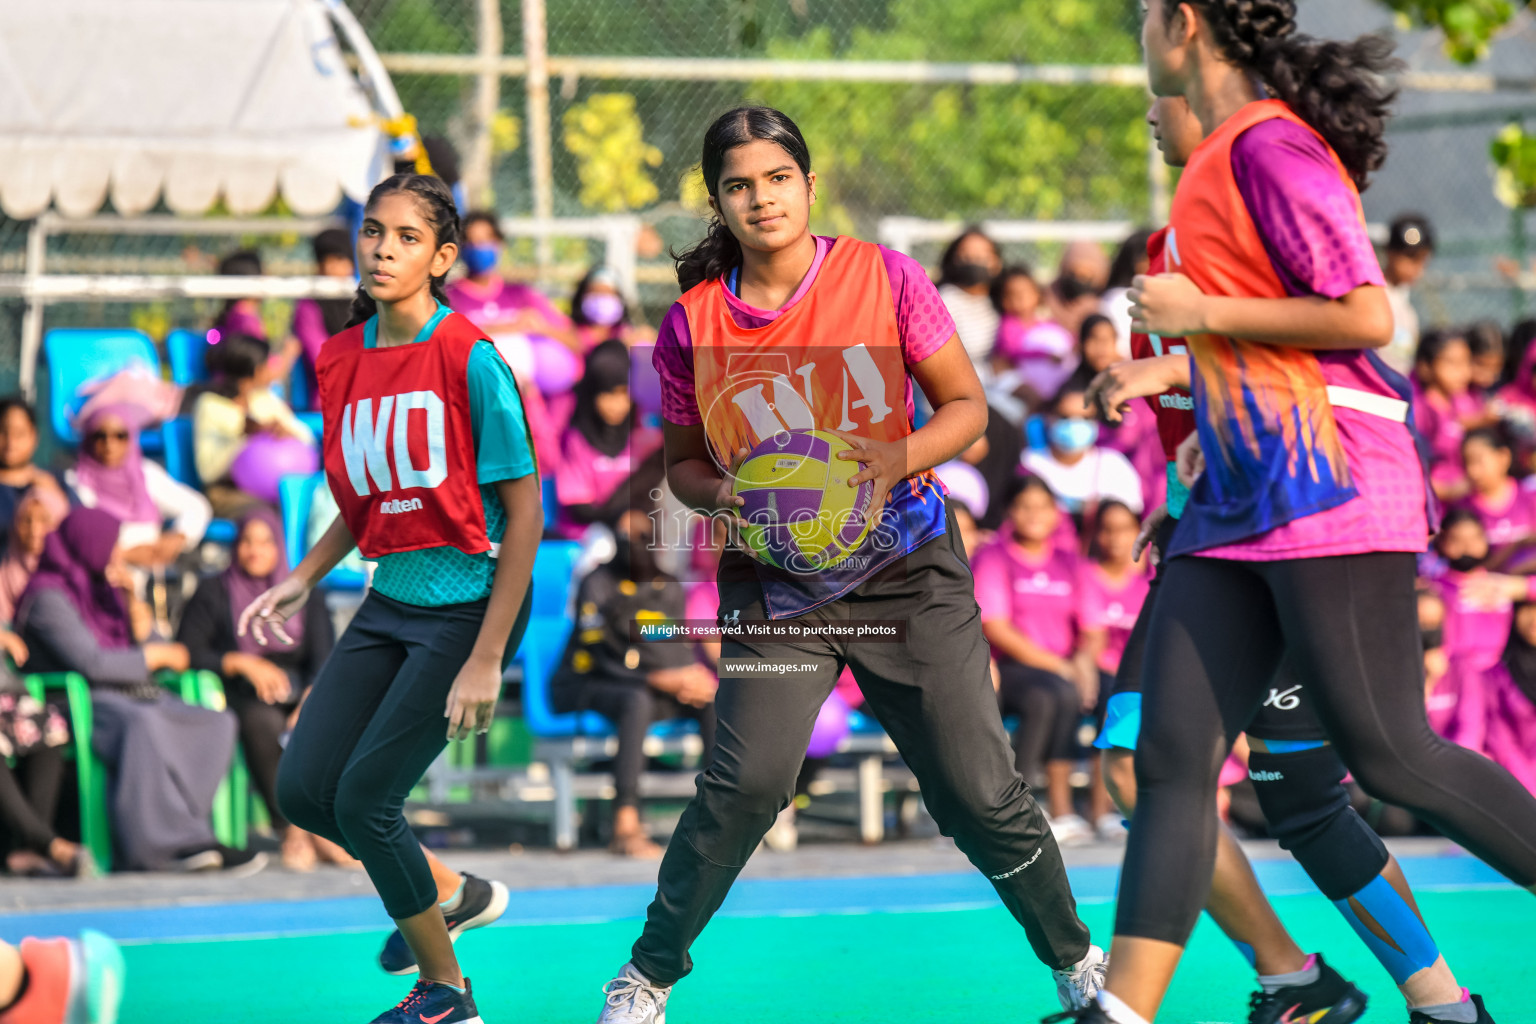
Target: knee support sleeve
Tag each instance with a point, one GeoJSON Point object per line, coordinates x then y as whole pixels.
{"type": "Point", "coordinates": [1304, 800]}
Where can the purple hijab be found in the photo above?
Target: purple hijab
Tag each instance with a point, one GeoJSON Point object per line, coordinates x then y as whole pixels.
{"type": "Point", "coordinates": [245, 588]}
{"type": "Point", "coordinates": [120, 491]}
{"type": "Point", "coordinates": [74, 562]}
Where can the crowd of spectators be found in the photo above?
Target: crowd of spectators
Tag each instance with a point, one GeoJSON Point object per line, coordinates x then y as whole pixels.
{"type": "Point", "coordinates": [1049, 502]}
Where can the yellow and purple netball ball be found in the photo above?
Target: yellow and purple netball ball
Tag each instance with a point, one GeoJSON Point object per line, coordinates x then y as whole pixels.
{"type": "Point", "coordinates": [801, 513]}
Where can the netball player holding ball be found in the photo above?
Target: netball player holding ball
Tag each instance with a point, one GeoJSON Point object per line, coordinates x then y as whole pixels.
{"type": "Point", "coordinates": [845, 321]}
{"type": "Point", "coordinates": [428, 456]}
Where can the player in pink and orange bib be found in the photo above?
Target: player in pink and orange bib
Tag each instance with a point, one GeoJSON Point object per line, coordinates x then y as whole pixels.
{"type": "Point", "coordinates": [779, 329]}
{"type": "Point", "coordinates": [1299, 536]}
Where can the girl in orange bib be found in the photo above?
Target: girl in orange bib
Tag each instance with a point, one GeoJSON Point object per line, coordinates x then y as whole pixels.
{"type": "Point", "coordinates": [779, 329]}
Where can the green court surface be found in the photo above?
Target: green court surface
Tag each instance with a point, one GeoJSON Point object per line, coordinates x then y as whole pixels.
{"type": "Point", "coordinates": [964, 966]}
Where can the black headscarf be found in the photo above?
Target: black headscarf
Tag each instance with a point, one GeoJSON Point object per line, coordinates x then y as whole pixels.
{"type": "Point", "coordinates": [607, 368]}
{"type": "Point", "coordinates": [1520, 659]}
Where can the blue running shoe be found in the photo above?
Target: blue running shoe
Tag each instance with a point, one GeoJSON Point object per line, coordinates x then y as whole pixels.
{"type": "Point", "coordinates": [481, 903]}
{"type": "Point", "coordinates": [430, 1002]}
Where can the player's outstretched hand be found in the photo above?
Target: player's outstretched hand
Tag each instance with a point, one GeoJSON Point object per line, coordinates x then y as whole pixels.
{"type": "Point", "coordinates": [1112, 390]}
{"type": "Point", "coordinates": [1168, 305]}
{"type": "Point", "coordinates": [272, 609]}
{"type": "Point", "coordinates": [472, 700]}
{"type": "Point", "coordinates": [884, 462]}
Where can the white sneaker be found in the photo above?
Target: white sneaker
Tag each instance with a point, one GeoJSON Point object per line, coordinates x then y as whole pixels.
{"type": "Point", "coordinates": [1111, 828]}
{"type": "Point", "coordinates": [632, 999]}
{"type": "Point", "coordinates": [784, 836]}
{"type": "Point", "coordinates": [1071, 830]}
{"type": "Point", "coordinates": [1077, 986]}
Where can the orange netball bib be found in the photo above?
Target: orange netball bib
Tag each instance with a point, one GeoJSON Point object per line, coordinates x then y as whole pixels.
{"type": "Point", "coordinates": [831, 361]}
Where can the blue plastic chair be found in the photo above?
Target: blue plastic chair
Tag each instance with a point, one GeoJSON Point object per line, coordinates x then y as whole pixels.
{"type": "Point", "coordinates": [550, 499]}
{"type": "Point", "coordinates": [181, 463]}
{"type": "Point", "coordinates": [549, 627]}
{"type": "Point", "coordinates": [187, 352]}
{"type": "Point", "coordinates": [78, 355]}
{"type": "Point", "coordinates": [296, 494]}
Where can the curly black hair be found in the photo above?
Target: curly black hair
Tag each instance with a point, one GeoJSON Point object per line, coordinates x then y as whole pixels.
{"type": "Point", "coordinates": [1339, 88]}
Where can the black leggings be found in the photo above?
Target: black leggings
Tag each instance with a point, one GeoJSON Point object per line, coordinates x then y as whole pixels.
{"type": "Point", "coordinates": [1349, 624]}
{"type": "Point", "coordinates": [371, 727]}
{"type": "Point", "coordinates": [1047, 706]}
{"type": "Point", "coordinates": [633, 708]}
{"type": "Point", "coordinates": [27, 814]}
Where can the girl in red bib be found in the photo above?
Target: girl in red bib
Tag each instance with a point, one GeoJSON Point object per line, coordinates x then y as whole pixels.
{"type": "Point", "coordinates": [781, 329]}
{"type": "Point", "coordinates": [428, 456]}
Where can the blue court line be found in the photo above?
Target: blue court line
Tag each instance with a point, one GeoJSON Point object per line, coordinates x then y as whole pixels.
{"type": "Point", "coordinates": [792, 897]}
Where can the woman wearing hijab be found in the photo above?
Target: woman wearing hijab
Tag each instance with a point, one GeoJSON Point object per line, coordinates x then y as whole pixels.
{"type": "Point", "coordinates": [604, 456]}
{"type": "Point", "coordinates": [112, 475]}
{"type": "Point", "coordinates": [165, 758]}
{"type": "Point", "coordinates": [264, 684]}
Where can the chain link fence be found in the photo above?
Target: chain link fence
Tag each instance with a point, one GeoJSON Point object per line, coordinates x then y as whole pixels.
{"type": "Point", "coordinates": [918, 108]}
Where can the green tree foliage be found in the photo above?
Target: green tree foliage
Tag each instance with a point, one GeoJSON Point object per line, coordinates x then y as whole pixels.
{"type": "Point", "coordinates": [1514, 160]}
{"type": "Point", "coordinates": [606, 138]}
{"type": "Point", "coordinates": [1468, 25]}
{"type": "Point", "coordinates": [974, 150]}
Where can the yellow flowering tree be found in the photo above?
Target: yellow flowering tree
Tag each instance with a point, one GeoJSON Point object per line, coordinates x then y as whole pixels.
{"type": "Point", "coordinates": [613, 159]}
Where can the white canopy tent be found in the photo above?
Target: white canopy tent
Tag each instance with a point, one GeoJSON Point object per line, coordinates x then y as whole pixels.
{"type": "Point", "coordinates": [192, 100]}
{"type": "Point", "coordinates": [189, 101]}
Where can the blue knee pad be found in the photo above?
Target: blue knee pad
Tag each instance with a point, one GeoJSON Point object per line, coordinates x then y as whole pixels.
{"type": "Point", "coordinates": [1302, 795]}
{"type": "Point", "coordinates": [1390, 929]}
{"type": "Point", "coordinates": [1122, 722]}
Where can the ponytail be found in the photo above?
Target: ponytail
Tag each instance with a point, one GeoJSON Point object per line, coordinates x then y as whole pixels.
{"type": "Point", "coordinates": [1338, 88]}
{"type": "Point", "coordinates": [437, 206]}
{"type": "Point", "coordinates": [710, 257]}
{"type": "Point", "coordinates": [718, 251]}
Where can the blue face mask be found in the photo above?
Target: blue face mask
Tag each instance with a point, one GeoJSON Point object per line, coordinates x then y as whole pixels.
{"type": "Point", "coordinates": [1074, 435]}
{"type": "Point", "coordinates": [482, 259]}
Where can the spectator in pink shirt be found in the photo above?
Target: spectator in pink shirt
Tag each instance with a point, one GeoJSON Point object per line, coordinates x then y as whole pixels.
{"type": "Point", "coordinates": [1479, 613]}
{"type": "Point", "coordinates": [599, 312]}
{"type": "Point", "coordinates": [1135, 436]}
{"type": "Point", "coordinates": [605, 459]}
{"type": "Point", "coordinates": [1033, 614]}
{"type": "Point", "coordinates": [536, 339]}
{"type": "Point", "coordinates": [1444, 407]}
{"type": "Point", "coordinates": [243, 316]}
{"type": "Point", "coordinates": [1506, 510]}
{"type": "Point", "coordinates": [1114, 587]}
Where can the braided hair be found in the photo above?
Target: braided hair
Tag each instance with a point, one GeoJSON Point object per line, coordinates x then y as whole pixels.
{"type": "Point", "coordinates": [1339, 88]}
{"type": "Point", "coordinates": [436, 204]}
{"type": "Point", "coordinates": [718, 251]}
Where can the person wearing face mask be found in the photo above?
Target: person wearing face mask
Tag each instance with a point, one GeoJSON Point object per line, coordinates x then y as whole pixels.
{"type": "Point", "coordinates": [600, 312]}
{"type": "Point", "coordinates": [1080, 472]}
{"type": "Point", "coordinates": [536, 339]}
{"type": "Point", "coordinates": [966, 271]}
{"type": "Point", "coordinates": [1479, 612]}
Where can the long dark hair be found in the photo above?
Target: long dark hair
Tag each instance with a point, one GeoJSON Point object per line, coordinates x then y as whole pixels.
{"type": "Point", "coordinates": [951, 258]}
{"type": "Point", "coordinates": [436, 204]}
{"type": "Point", "coordinates": [718, 251]}
{"type": "Point", "coordinates": [1339, 88]}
